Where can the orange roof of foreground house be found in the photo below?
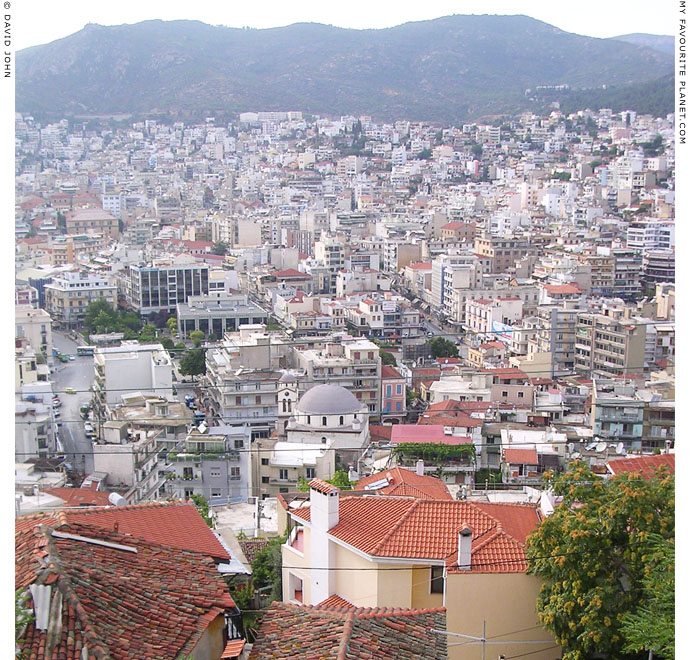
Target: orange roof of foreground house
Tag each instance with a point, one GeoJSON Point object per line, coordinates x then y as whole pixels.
{"type": "Point", "coordinates": [121, 596]}
{"type": "Point", "coordinates": [399, 481]}
{"type": "Point", "coordinates": [428, 529]}
{"type": "Point", "coordinates": [293, 631]}
{"type": "Point", "coordinates": [647, 466]}
{"type": "Point", "coordinates": [175, 524]}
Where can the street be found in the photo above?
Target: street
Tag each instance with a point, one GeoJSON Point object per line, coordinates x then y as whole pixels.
{"type": "Point", "coordinates": [78, 375]}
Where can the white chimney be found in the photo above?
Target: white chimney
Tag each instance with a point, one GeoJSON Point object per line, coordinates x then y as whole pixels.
{"type": "Point", "coordinates": [420, 468]}
{"type": "Point", "coordinates": [324, 503]}
{"type": "Point", "coordinates": [465, 549]}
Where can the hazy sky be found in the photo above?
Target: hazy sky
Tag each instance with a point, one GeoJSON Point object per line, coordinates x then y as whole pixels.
{"type": "Point", "coordinates": [41, 21]}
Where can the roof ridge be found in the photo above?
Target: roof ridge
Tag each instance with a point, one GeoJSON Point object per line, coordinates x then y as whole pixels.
{"type": "Point", "coordinates": [385, 612]}
{"type": "Point", "coordinates": [53, 561]}
{"type": "Point", "coordinates": [396, 526]}
{"type": "Point", "coordinates": [346, 635]}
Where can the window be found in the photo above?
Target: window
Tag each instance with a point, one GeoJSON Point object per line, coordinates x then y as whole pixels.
{"type": "Point", "coordinates": [436, 586]}
{"type": "Point", "coordinates": [342, 420]}
{"type": "Point", "coordinates": [311, 473]}
{"type": "Point", "coordinates": [521, 395]}
{"type": "Point", "coordinates": [389, 391]}
{"type": "Point", "coordinates": [308, 419]}
{"type": "Point", "coordinates": [215, 472]}
{"type": "Point", "coordinates": [239, 444]}
{"type": "Point", "coordinates": [264, 480]}
{"type": "Point", "coordinates": [264, 461]}
{"type": "Point", "coordinates": [283, 474]}
{"type": "Point", "coordinates": [398, 389]}
{"type": "Point", "coordinates": [234, 473]}
{"type": "Point", "coordinates": [188, 492]}
{"type": "Point", "coordinates": [324, 421]}
{"type": "Point", "coordinates": [504, 393]}
{"type": "Point", "coordinates": [216, 492]}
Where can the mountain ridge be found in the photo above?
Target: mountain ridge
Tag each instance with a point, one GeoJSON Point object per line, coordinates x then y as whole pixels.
{"type": "Point", "coordinates": [448, 69]}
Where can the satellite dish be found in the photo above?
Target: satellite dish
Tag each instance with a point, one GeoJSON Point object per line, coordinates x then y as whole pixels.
{"type": "Point", "coordinates": [620, 449]}
{"type": "Point", "coordinates": [601, 447]}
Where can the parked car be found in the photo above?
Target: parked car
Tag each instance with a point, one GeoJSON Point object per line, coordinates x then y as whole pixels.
{"type": "Point", "coordinates": [70, 390]}
{"type": "Point", "coordinates": [72, 358]}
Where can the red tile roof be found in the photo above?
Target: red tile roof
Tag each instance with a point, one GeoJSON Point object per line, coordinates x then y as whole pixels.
{"type": "Point", "coordinates": [407, 483]}
{"type": "Point", "coordinates": [380, 433]}
{"type": "Point", "coordinates": [562, 288]}
{"type": "Point", "coordinates": [148, 602]}
{"type": "Point", "coordinates": [81, 496]}
{"type": "Point", "coordinates": [291, 272]}
{"type": "Point", "coordinates": [175, 524]}
{"type": "Point", "coordinates": [322, 486]}
{"type": "Point", "coordinates": [389, 372]}
{"type": "Point", "coordinates": [233, 648]}
{"type": "Point", "coordinates": [428, 529]}
{"type": "Point", "coordinates": [313, 633]}
{"type": "Point", "coordinates": [647, 466]}
{"type": "Point", "coordinates": [521, 456]}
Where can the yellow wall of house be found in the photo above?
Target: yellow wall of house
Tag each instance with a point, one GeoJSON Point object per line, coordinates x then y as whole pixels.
{"type": "Point", "coordinates": [394, 586]}
{"type": "Point", "coordinates": [358, 583]}
{"type": "Point", "coordinates": [421, 589]}
{"type": "Point", "coordinates": [508, 604]}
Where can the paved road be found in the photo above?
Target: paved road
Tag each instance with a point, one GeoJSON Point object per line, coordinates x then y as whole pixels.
{"type": "Point", "coordinates": [78, 375]}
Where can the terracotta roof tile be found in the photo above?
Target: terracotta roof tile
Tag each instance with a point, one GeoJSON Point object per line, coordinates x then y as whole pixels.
{"type": "Point", "coordinates": [322, 486]}
{"type": "Point", "coordinates": [521, 456]}
{"type": "Point", "coordinates": [647, 466]}
{"type": "Point", "coordinates": [407, 483]}
{"type": "Point", "coordinates": [428, 529]}
{"type": "Point", "coordinates": [313, 633]}
{"type": "Point", "coordinates": [103, 587]}
{"type": "Point", "coordinates": [176, 524]}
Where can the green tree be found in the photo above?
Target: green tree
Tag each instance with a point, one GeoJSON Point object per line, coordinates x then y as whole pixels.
{"type": "Point", "coordinates": [387, 358]}
{"type": "Point", "coordinates": [652, 625]}
{"type": "Point", "coordinates": [193, 362]}
{"type": "Point", "coordinates": [148, 333]}
{"type": "Point", "coordinates": [94, 309]}
{"type": "Point", "coordinates": [340, 480]}
{"type": "Point", "coordinates": [167, 343]}
{"type": "Point", "coordinates": [267, 567]}
{"type": "Point", "coordinates": [302, 485]}
{"type": "Point", "coordinates": [197, 337]}
{"type": "Point", "coordinates": [219, 247]}
{"type": "Point", "coordinates": [202, 506]}
{"type": "Point", "coordinates": [424, 154]}
{"type": "Point", "coordinates": [23, 616]}
{"type": "Point", "coordinates": [594, 554]}
{"type": "Point", "coordinates": [171, 324]}
{"type": "Point", "coordinates": [441, 347]}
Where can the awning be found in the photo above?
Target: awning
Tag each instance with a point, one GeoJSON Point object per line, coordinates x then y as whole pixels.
{"type": "Point", "coordinates": [233, 648]}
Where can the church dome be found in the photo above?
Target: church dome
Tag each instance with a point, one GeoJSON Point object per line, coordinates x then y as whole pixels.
{"type": "Point", "coordinates": [328, 400]}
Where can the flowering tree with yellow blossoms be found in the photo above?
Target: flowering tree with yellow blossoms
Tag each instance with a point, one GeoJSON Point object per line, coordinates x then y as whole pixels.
{"type": "Point", "coordinates": [596, 555]}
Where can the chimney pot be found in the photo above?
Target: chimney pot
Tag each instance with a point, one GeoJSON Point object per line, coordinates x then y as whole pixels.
{"type": "Point", "coordinates": [420, 468]}
{"type": "Point", "coordinates": [465, 549]}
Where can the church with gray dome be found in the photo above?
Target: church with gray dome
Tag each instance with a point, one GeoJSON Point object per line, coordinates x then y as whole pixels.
{"type": "Point", "coordinates": [330, 413]}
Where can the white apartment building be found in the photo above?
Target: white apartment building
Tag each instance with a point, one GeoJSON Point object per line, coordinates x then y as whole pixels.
{"type": "Point", "coordinates": [651, 234]}
{"type": "Point", "coordinates": [487, 318]}
{"type": "Point", "coordinates": [36, 326]}
{"type": "Point", "coordinates": [131, 367]}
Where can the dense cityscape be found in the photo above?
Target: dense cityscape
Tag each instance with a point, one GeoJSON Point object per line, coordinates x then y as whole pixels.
{"type": "Point", "coordinates": [301, 383]}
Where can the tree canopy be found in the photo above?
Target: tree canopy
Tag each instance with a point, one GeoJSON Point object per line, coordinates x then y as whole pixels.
{"type": "Point", "coordinates": [193, 362]}
{"type": "Point", "coordinates": [441, 347]}
{"type": "Point", "coordinates": [606, 556]}
{"type": "Point", "coordinates": [387, 358]}
{"type": "Point", "coordinates": [100, 318]}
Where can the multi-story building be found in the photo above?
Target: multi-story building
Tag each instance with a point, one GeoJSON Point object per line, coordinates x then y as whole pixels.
{"type": "Point", "coordinates": [242, 379]}
{"type": "Point", "coordinates": [214, 464]}
{"type": "Point", "coordinates": [330, 253]}
{"type": "Point", "coordinates": [353, 363]}
{"type": "Point", "coordinates": [393, 399]}
{"type": "Point", "coordinates": [448, 273]}
{"type": "Point", "coordinates": [617, 414]}
{"type": "Point", "coordinates": [215, 314]}
{"type": "Point", "coordinates": [131, 461]}
{"type": "Point", "coordinates": [35, 325]}
{"type": "Point", "coordinates": [92, 221]}
{"type": "Point", "coordinates": [131, 367]}
{"type": "Point", "coordinates": [627, 273]}
{"type": "Point", "coordinates": [69, 249]}
{"type": "Point", "coordinates": [504, 251]}
{"type": "Point", "coordinates": [488, 318]}
{"type": "Point", "coordinates": [556, 337]}
{"type": "Point", "coordinates": [611, 344]}
{"type": "Point", "coordinates": [658, 267]}
{"type": "Point", "coordinates": [159, 288]}
{"type": "Point", "coordinates": [651, 235]}
{"type": "Point", "coordinates": [70, 293]}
